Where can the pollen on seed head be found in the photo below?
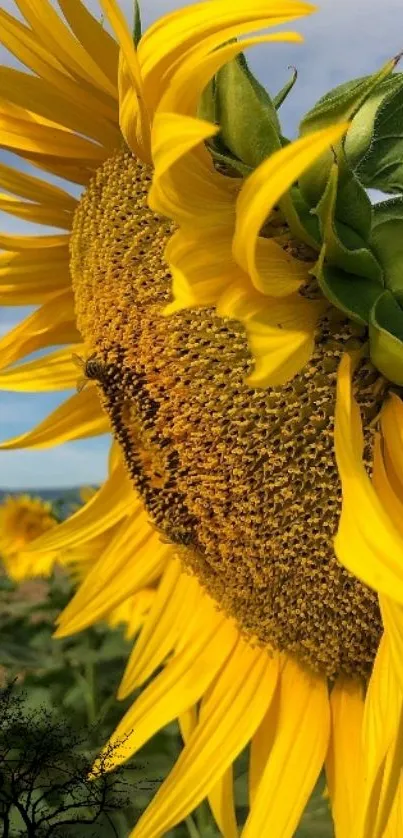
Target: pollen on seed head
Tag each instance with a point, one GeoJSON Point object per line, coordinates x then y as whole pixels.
{"type": "Point", "coordinates": [243, 481]}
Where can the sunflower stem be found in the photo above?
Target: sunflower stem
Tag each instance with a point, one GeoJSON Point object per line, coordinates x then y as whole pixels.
{"type": "Point", "coordinates": [90, 692]}
{"type": "Point", "coordinates": [203, 818]}
{"type": "Point", "coordinates": [191, 827]}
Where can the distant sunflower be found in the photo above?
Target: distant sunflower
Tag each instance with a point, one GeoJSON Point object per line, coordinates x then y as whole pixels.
{"type": "Point", "coordinates": [23, 519]}
{"type": "Point", "coordinates": [263, 636]}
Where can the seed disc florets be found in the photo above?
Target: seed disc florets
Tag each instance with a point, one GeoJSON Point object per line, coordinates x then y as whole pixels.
{"type": "Point", "coordinates": [245, 481]}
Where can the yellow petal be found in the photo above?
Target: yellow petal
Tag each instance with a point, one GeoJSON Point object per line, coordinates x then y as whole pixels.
{"type": "Point", "coordinates": [31, 273]}
{"type": "Point", "coordinates": [21, 136]}
{"type": "Point", "coordinates": [131, 67]}
{"type": "Point", "coordinates": [91, 33]}
{"type": "Point", "coordinates": [372, 553]}
{"type": "Point", "coordinates": [202, 267]}
{"type": "Point", "coordinates": [56, 371]}
{"type": "Point", "coordinates": [392, 432]}
{"type": "Point", "coordinates": [262, 190]}
{"type": "Point", "coordinates": [35, 189]}
{"type": "Point", "coordinates": [180, 180]}
{"type": "Point", "coordinates": [231, 712]}
{"type": "Point", "coordinates": [221, 796]}
{"type": "Point", "coordinates": [78, 417]}
{"type": "Point", "coordinates": [22, 42]}
{"type": "Point", "coordinates": [118, 23]}
{"type": "Point", "coordinates": [392, 618]}
{"type": "Point", "coordinates": [344, 758]}
{"type": "Point", "coordinates": [31, 246]}
{"type": "Point", "coordinates": [261, 746]}
{"type": "Point", "coordinates": [43, 98]}
{"type": "Point", "coordinates": [211, 198]}
{"type": "Point", "coordinates": [187, 722]}
{"type": "Point", "coordinates": [296, 758]}
{"type": "Point", "coordinates": [221, 800]}
{"type": "Point", "coordinates": [130, 116]}
{"type": "Point", "coordinates": [174, 603]}
{"type": "Point", "coordinates": [53, 323]}
{"type": "Point", "coordinates": [112, 501]}
{"type": "Point", "coordinates": [181, 683]}
{"type": "Point", "coordinates": [35, 213]}
{"type": "Point", "coordinates": [57, 38]}
{"type": "Point", "coordinates": [384, 488]}
{"type": "Point", "coordinates": [171, 37]}
{"type": "Point", "coordinates": [392, 612]}
{"type": "Point", "coordinates": [395, 823]}
{"type": "Point", "coordinates": [204, 60]}
{"type": "Point", "coordinates": [382, 747]}
{"type": "Point", "coordinates": [79, 171]}
{"type": "Point", "coordinates": [276, 272]}
{"type": "Point", "coordinates": [280, 332]}
{"type": "Point", "coordinates": [131, 613]}
{"type": "Point", "coordinates": [132, 558]}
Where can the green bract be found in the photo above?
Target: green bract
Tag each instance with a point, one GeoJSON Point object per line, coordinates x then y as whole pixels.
{"type": "Point", "coordinates": [249, 126]}
{"type": "Point", "coordinates": [137, 23]}
{"type": "Point", "coordinates": [359, 268]}
{"type": "Point", "coordinates": [248, 119]}
{"type": "Point", "coordinates": [281, 96]}
{"type": "Point", "coordinates": [339, 105]}
{"type": "Point", "coordinates": [381, 167]}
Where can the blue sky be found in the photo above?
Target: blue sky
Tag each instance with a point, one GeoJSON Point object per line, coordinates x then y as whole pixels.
{"type": "Point", "coordinates": [342, 40]}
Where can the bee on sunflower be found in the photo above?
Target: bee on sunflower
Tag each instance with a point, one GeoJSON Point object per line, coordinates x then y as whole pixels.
{"type": "Point", "coordinates": [244, 300]}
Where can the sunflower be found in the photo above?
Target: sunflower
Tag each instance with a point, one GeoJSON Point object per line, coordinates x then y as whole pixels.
{"type": "Point", "coordinates": [23, 519]}
{"type": "Point", "coordinates": [260, 632]}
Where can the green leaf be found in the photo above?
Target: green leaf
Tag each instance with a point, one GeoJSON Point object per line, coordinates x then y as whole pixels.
{"type": "Point", "coordinates": [382, 165]}
{"type": "Point", "coordinates": [338, 105]}
{"type": "Point", "coordinates": [302, 223]}
{"type": "Point", "coordinates": [283, 93]}
{"type": "Point", "coordinates": [316, 822]}
{"type": "Point", "coordinates": [387, 243]}
{"type": "Point", "coordinates": [249, 124]}
{"type": "Point", "coordinates": [344, 246]}
{"type": "Point", "coordinates": [207, 106]}
{"type": "Point", "coordinates": [360, 134]}
{"type": "Point", "coordinates": [353, 207]}
{"type": "Point", "coordinates": [137, 23]}
{"type": "Point", "coordinates": [354, 295]}
{"type": "Point", "coordinates": [226, 162]}
{"type": "Point", "coordinates": [386, 337]}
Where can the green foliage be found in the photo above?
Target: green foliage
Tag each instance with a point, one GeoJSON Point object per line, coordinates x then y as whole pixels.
{"type": "Point", "coordinates": [249, 126]}
{"type": "Point", "coordinates": [338, 105]}
{"type": "Point", "coordinates": [361, 132]}
{"type": "Point", "coordinates": [347, 271]}
{"type": "Point", "coordinates": [386, 337]}
{"type": "Point", "coordinates": [281, 96]}
{"type": "Point", "coordinates": [381, 166]}
{"type": "Point", "coordinates": [387, 243]}
{"type": "Point", "coordinates": [137, 23]}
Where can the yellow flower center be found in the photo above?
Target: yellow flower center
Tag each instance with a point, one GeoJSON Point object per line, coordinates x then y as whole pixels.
{"type": "Point", "coordinates": [243, 481]}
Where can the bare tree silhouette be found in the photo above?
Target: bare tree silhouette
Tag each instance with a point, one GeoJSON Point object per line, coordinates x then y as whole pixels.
{"type": "Point", "coordinates": [44, 768]}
